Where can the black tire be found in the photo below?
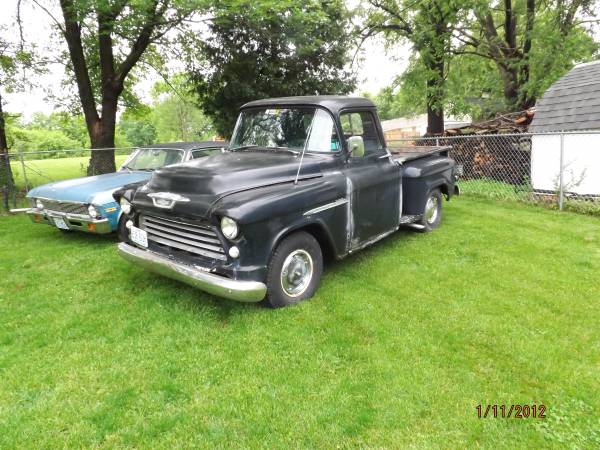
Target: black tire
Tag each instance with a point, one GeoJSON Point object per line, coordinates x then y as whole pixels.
{"type": "Point", "coordinates": [122, 233]}
{"type": "Point", "coordinates": [292, 251]}
{"type": "Point", "coordinates": [432, 218]}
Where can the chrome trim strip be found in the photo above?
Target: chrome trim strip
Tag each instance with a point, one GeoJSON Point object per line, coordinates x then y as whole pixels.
{"type": "Point", "coordinates": [338, 202]}
{"type": "Point", "coordinates": [61, 201]}
{"type": "Point", "coordinates": [242, 291]}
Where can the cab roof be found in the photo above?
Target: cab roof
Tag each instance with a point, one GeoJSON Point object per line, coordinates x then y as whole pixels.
{"type": "Point", "coordinates": [334, 103]}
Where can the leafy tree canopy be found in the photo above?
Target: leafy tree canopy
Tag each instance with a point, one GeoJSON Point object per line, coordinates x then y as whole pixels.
{"type": "Point", "coordinates": [258, 49]}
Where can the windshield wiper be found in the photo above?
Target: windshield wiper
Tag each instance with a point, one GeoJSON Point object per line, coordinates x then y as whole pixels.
{"type": "Point", "coordinates": [286, 149]}
{"type": "Point", "coordinates": [265, 148]}
{"type": "Point", "coordinates": [243, 147]}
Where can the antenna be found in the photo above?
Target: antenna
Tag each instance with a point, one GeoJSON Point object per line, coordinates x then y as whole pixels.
{"type": "Point", "coordinates": [304, 148]}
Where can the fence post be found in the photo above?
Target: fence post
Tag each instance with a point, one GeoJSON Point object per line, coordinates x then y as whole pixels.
{"type": "Point", "coordinates": [24, 171]}
{"type": "Point", "coordinates": [560, 176]}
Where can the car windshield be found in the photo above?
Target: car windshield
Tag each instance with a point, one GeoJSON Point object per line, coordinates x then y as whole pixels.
{"type": "Point", "coordinates": [153, 158]}
{"type": "Point", "coordinates": [285, 129]}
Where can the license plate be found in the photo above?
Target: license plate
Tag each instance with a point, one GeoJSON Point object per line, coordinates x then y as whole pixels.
{"type": "Point", "coordinates": [139, 236]}
{"type": "Point", "coordinates": [60, 223]}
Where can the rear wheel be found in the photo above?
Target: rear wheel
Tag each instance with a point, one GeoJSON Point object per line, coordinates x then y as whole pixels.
{"type": "Point", "coordinates": [432, 211]}
{"type": "Point", "coordinates": [294, 270]}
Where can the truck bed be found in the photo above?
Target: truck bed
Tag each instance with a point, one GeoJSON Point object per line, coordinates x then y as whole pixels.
{"type": "Point", "coordinates": [412, 152]}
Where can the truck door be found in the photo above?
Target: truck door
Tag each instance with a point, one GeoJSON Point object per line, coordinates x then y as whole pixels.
{"type": "Point", "coordinates": [374, 179]}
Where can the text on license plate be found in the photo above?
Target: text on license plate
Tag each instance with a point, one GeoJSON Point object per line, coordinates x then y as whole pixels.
{"type": "Point", "coordinates": [139, 236]}
{"type": "Point", "coordinates": [60, 223]}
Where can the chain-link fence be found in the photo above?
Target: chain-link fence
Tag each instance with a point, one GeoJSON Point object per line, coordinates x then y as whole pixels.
{"type": "Point", "coordinates": [560, 170]}
{"type": "Point", "coordinates": [33, 168]}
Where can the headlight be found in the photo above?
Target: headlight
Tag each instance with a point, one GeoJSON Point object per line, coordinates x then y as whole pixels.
{"type": "Point", "coordinates": [229, 228]}
{"type": "Point", "coordinates": [39, 204]}
{"type": "Point", "coordinates": [92, 211]}
{"type": "Point", "coordinates": [125, 206]}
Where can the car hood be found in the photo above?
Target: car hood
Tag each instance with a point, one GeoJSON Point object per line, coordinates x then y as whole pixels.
{"type": "Point", "coordinates": [96, 189]}
{"type": "Point", "coordinates": [204, 182]}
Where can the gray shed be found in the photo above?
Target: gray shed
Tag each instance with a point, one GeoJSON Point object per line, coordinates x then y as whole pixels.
{"type": "Point", "coordinates": [572, 105]}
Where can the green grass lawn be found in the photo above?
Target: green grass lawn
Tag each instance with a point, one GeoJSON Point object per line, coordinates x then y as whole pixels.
{"type": "Point", "coordinates": [41, 171]}
{"type": "Point", "coordinates": [398, 347]}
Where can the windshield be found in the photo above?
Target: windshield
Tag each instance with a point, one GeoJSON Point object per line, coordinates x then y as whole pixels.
{"type": "Point", "coordinates": [153, 158]}
{"type": "Point", "coordinates": [286, 129]}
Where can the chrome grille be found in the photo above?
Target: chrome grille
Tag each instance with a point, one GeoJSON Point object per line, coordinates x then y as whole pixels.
{"type": "Point", "coordinates": [196, 239]}
{"type": "Point", "coordinates": [65, 207]}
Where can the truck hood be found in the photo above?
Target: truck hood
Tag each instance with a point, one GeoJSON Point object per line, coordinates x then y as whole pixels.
{"type": "Point", "coordinates": [96, 189]}
{"type": "Point", "coordinates": [204, 182]}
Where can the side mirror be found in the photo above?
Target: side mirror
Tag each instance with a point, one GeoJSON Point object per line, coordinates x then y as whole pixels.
{"type": "Point", "coordinates": [356, 146]}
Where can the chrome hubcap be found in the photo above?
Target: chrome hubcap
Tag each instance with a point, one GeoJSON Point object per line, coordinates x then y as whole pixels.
{"type": "Point", "coordinates": [296, 273]}
{"type": "Point", "coordinates": [431, 209]}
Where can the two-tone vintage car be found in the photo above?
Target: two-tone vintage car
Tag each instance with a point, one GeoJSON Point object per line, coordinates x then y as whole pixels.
{"type": "Point", "coordinates": [86, 204]}
{"type": "Point", "coordinates": [303, 178]}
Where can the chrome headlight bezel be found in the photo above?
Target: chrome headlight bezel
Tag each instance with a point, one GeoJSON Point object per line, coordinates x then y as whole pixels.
{"type": "Point", "coordinates": [229, 228]}
{"type": "Point", "coordinates": [93, 212]}
{"type": "Point", "coordinates": [125, 205]}
{"type": "Point", "coordinates": [39, 204]}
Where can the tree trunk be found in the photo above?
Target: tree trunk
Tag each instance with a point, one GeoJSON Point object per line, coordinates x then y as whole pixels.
{"type": "Point", "coordinates": [6, 177]}
{"type": "Point", "coordinates": [435, 96]}
{"type": "Point", "coordinates": [102, 137]}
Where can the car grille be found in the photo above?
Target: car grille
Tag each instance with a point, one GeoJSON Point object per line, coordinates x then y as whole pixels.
{"type": "Point", "coordinates": [65, 207]}
{"type": "Point", "coordinates": [195, 239]}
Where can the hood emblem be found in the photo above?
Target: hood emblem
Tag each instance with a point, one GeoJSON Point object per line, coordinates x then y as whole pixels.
{"type": "Point", "coordinates": [166, 200]}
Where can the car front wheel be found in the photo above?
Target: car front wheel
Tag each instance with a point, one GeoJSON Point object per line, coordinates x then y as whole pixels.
{"type": "Point", "coordinates": [294, 270]}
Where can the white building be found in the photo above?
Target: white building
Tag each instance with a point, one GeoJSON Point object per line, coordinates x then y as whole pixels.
{"type": "Point", "coordinates": [404, 127]}
{"type": "Point", "coordinates": [572, 105]}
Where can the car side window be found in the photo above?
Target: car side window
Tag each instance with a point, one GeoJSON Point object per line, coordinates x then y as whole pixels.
{"type": "Point", "coordinates": [362, 123]}
{"type": "Point", "coordinates": [205, 152]}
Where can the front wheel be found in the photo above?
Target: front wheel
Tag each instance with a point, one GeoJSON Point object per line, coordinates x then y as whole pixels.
{"type": "Point", "coordinates": [432, 211]}
{"type": "Point", "coordinates": [294, 270]}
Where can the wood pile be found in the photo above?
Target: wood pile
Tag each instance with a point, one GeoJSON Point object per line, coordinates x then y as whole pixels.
{"type": "Point", "coordinates": [494, 149]}
{"type": "Point", "coordinates": [509, 123]}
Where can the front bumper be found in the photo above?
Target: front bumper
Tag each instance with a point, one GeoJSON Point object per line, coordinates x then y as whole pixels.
{"type": "Point", "coordinates": [242, 291]}
{"type": "Point", "coordinates": [74, 221]}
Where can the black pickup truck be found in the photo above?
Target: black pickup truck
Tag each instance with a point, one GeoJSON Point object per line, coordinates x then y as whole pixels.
{"type": "Point", "coordinates": [303, 178]}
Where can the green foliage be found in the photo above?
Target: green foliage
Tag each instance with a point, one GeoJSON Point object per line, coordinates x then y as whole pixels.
{"type": "Point", "coordinates": [472, 82]}
{"type": "Point", "coordinates": [137, 132]}
{"type": "Point", "coordinates": [259, 49]}
{"type": "Point", "coordinates": [175, 112]}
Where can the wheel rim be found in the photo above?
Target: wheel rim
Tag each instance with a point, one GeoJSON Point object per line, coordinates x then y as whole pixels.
{"type": "Point", "coordinates": [431, 209]}
{"type": "Point", "coordinates": [296, 273]}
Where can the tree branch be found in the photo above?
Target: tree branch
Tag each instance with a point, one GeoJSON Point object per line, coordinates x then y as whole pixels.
{"type": "Point", "coordinates": [72, 32]}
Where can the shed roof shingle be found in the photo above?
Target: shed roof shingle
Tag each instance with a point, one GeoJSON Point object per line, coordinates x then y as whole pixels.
{"type": "Point", "coordinates": [571, 103]}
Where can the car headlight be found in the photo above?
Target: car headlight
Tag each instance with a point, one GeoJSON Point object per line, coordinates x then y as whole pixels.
{"type": "Point", "coordinates": [125, 206]}
{"type": "Point", "coordinates": [39, 204]}
{"type": "Point", "coordinates": [229, 228]}
{"type": "Point", "coordinates": [92, 211]}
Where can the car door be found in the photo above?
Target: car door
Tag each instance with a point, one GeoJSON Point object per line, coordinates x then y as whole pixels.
{"type": "Point", "coordinates": [374, 177]}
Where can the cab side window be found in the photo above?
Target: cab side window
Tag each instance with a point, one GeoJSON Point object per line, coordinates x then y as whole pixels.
{"type": "Point", "coordinates": [362, 124]}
